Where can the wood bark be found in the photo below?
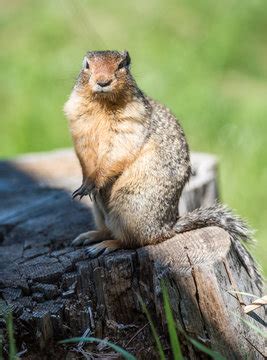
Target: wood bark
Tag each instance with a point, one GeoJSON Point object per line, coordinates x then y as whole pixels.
{"type": "Point", "coordinates": [55, 292]}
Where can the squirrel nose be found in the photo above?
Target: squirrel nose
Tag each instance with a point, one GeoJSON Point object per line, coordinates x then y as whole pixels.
{"type": "Point", "coordinates": [104, 83]}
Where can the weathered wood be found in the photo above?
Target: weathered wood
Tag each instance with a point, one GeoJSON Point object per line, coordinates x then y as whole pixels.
{"type": "Point", "coordinates": [56, 292]}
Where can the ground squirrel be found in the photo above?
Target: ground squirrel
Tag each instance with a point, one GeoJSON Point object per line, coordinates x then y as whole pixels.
{"type": "Point", "coordinates": [135, 161]}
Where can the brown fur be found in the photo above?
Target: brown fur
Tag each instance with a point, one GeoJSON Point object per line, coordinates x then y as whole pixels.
{"type": "Point", "coordinates": [135, 161]}
{"type": "Point", "coordinates": [104, 131]}
{"type": "Point", "coordinates": [95, 135]}
{"type": "Point", "coordinates": [109, 131]}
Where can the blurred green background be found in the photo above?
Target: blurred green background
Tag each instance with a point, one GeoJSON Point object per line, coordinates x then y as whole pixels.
{"type": "Point", "coordinates": [205, 59]}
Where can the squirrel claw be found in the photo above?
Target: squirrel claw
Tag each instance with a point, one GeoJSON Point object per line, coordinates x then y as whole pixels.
{"type": "Point", "coordinates": [83, 190]}
{"type": "Point", "coordinates": [94, 251]}
{"type": "Point", "coordinates": [104, 248]}
{"type": "Point", "coordinates": [79, 192]}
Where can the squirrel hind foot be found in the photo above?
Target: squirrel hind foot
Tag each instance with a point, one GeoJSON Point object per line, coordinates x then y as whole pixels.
{"type": "Point", "coordinates": [104, 248]}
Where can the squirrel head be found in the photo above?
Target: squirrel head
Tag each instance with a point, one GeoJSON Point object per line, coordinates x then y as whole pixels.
{"type": "Point", "coordinates": [105, 74]}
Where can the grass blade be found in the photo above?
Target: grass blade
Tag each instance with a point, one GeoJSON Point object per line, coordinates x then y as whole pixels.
{"type": "Point", "coordinates": [117, 348]}
{"type": "Point", "coordinates": [1, 347]}
{"type": "Point", "coordinates": [11, 340]}
{"type": "Point", "coordinates": [175, 345]}
{"type": "Point", "coordinates": [214, 354]}
{"type": "Point", "coordinates": [242, 293]}
{"type": "Point", "coordinates": [252, 326]}
{"type": "Point", "coordinates": [153, 329]}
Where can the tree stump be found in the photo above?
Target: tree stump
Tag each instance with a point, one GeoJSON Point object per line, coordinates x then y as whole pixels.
{"type": "Point", "coordinates": [55, 292]}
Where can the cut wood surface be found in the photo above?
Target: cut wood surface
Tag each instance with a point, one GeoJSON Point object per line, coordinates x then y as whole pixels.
{"type": "Point", "coordinates": [55, 292]}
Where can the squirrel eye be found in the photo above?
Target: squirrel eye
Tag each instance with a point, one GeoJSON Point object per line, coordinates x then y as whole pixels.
{"type": "Point", "coordinates": [85, 63]}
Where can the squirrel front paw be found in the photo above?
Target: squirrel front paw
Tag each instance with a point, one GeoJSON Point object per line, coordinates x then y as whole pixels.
{"type": "Point", "coordinates": [92, 236]}
{"type": "Point", "coordinates": [85, 189]}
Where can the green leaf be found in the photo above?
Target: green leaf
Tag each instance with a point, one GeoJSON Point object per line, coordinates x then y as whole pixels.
{"type": "Point", "coordinates": [214, 354]}
{"type": "Point", "coordinates": [153, 329]}
{"type": "Point", "coordinates": [175, 345]}
{"type": "Point", "coordinates": [11, 340]}
{"type": "Point", "coordinates": [117, 348]}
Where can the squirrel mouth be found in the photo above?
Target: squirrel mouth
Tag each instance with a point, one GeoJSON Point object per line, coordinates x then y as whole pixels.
{"type": "Point", "coordinates": [99, 89]}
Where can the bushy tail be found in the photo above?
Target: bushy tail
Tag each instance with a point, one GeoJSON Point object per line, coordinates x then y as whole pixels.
{"type": "Point", "coordinates": [219, 215]}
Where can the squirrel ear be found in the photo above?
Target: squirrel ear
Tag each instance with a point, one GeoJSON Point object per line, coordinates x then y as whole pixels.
{"type": "Point", "coordinates": [85, 63]}
{"type": "Point", "coordinates": [127, 58]}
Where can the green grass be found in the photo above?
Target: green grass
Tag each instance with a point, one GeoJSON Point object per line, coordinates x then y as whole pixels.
{"type": "Point", "coordinates": [11, 339]}
{"type": "Point", "coordinates": [126, 355]}
{"type": "Point", "coordinates": [153, 329]}
{"type": "Point", "coordinates": [175, 344]}
{"type": "Point", "coordinates": [207, 60]}
{"type": "Point", "coordinates": [173, 333]}
{"type": "Point", "coordinates": [12, 352]}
